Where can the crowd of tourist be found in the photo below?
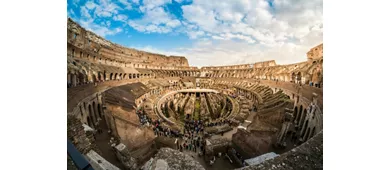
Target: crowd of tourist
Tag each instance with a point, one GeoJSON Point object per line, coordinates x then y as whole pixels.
{"type": "Point", "coordinates": [143, 118]}
{"type": "Point", "coordinates": [193, 139]}
{"type": "Point", "coordinates": [159, 130]}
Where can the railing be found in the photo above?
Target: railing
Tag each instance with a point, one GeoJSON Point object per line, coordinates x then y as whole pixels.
{"type": "Point", "coordinates": [77, 158]}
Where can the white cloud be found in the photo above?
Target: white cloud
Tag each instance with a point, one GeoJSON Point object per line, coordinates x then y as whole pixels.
{"type": "Point", "coordinates": [155, 18]}
{"type": "Point", "coordinates": [127, 4]}
{"type": "Point", "coordinates": [90, 5]}
{"type": "Point", "coordinates": [195, 34]}
{"type": "Point", "coordinates": [224, 32]}
{"type": "Point", "coordinates": [106, 8]}
{"type": "Point", "coordinates": [203, 18]}
{"type": "Point", "coordinates": [150, 4]}
{"type": "Point", "coordinates": [284, 31]}
{"type": "Point", "coordinates": [85, 12]}
{"type": "Point", "coordinates": [98, 29]}
{"type": "Point", "coordinates": [120, 17]}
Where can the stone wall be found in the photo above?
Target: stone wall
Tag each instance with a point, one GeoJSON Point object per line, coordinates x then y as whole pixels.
{"type": "Point", "coordinates": [315, 53]}
{"type": "Point", "coordinates": [83, 141]}
{"type": "Point", "coordinates": [306, 156]}
{"type": "Point", "coordinates": [85, 44]}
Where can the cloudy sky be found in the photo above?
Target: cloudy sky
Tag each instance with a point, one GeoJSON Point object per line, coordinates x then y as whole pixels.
{"type": "Point", "coordinates": [207, 32]}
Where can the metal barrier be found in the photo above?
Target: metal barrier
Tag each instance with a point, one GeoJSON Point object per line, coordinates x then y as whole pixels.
{"type": "Point", "coordinates": [77, 158]}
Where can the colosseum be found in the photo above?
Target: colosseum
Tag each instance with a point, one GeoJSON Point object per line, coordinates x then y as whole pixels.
{"type": "Point", "coordinates": [132, 109]}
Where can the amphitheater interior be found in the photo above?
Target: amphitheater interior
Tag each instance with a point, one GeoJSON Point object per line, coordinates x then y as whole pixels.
{"type": "Point", "coordinates": [131, 109]}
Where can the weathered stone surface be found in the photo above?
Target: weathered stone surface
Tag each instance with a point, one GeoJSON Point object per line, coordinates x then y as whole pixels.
{"type": "Point", "coordinates": [123, 154]}
{"type": "Point", "coordinates": [170, 159]}
{"type": "Point", "coordinates": [306, 156]}
{"type": "Point", "coordinates": [84, 142]}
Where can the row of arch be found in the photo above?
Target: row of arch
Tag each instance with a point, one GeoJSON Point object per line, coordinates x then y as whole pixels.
{"type": "Point", "coordinates": [92, 112]}
{"type": "Point", "coordinates": [79, 78]}
{"type": "Point", "coordinates": [176, 73]}
{"type": "Point", "coordinates": [80, 54]}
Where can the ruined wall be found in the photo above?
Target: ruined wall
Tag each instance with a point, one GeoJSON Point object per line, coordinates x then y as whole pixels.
{"type": "Point", "coordinates": [252, 143]}
{"type": "Point", "coordinates": [315, 53]}
{"type": "Point", "coordinates": [306, 156]}
{"type": "Point", "coordinates": [83, 141]}
{"type": "Point", "coordinates": [265, 64]}
{"type": "Point", "coordinates": [88, 46]}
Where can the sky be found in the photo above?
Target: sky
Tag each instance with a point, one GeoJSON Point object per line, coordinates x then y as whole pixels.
{"type": "Point", "coordinates": [207, 32]}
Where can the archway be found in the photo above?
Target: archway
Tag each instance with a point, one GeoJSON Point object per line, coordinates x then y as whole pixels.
{"type": "Point", "coordinates": [100, 76]}
{"type": "Point", "coordinates": [99, 110]}
{"type": "Point", "coordinates": [293, 77]}
{"type": "Point", "coordinates": [303, 117]}
{"type": "Point", "coordinates": [91, 113]}
{"type": "Point", "coordinates": [307, 134]}
{"type": "Point", "coordinates": [300, 108]}
{"type": "Point", "coordinates": [111, 76]}
{"type": "Point", "coordinates": [81, 78]}
{"type": "Point", "coordinates": [299, 77]}
{"type": "Point", "coordinates": [90, 124]}
{"type": "Point", "coordinates": [295, 113]}
{"type": "Point", "coordinates": [94, 78]}
{"type": "Point", "coordinates": [94, 110]}
{"type": "Point", "coordinates": [304, 129]}
{"type": "Point", "coordinates": [115, 76]}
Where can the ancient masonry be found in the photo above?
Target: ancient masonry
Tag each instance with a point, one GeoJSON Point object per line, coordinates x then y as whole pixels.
{"type": "Point", "coordinates": [131, 109]}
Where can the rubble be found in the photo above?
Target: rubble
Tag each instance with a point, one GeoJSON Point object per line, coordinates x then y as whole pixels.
{"type": "Point", "coordinates": [170, 159]}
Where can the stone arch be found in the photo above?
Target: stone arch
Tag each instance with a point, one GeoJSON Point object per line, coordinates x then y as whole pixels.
{"type": "Point", "coordinates": [82, 78]}
{"type": "Point", "coordinates": [89, 122]}
{"type": "Point", "coordinates": [300, 107]}
{"type": "Point", "coordinates": [99, 110]}
{"type": "Point", "coordinates": [299, 76]}
{"type": "Point", "coordinates": [303, 117]}
{"type": "Point", "coordinates": [124, 76]}
{"type": "Point", "coordinates": [90, 112]}
{"type": "Point", "coordinates": [303, 132]}
{"type": "Point", "coordinates": [100, 77]}
{"type": "Point", "coordinates": [293, 77]}
{"type": "Point", "coordinates": [307, 134]}
{"type": "Point", "coordinates": [94, 110]}
{"type": "Point", "coordinates": [120, 76]}
{"type": "Point", "coordinates": [115, 76]}
{"type": "Point", "coordinates": [81, 111]}
{"type": "Point", "coordinates": [295, 112]}
{"type": "Point", "coordinates": [94, 79]}
{"type": "Point", "coordinates": [111, 76]}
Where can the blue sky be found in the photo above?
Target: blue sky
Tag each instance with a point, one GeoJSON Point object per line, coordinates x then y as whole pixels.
{"type": "Point", "coordinates": [207, 32]}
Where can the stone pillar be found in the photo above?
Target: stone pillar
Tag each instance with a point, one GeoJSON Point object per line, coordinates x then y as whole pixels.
{"type": "Point", "coordinates": [287, 124]}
